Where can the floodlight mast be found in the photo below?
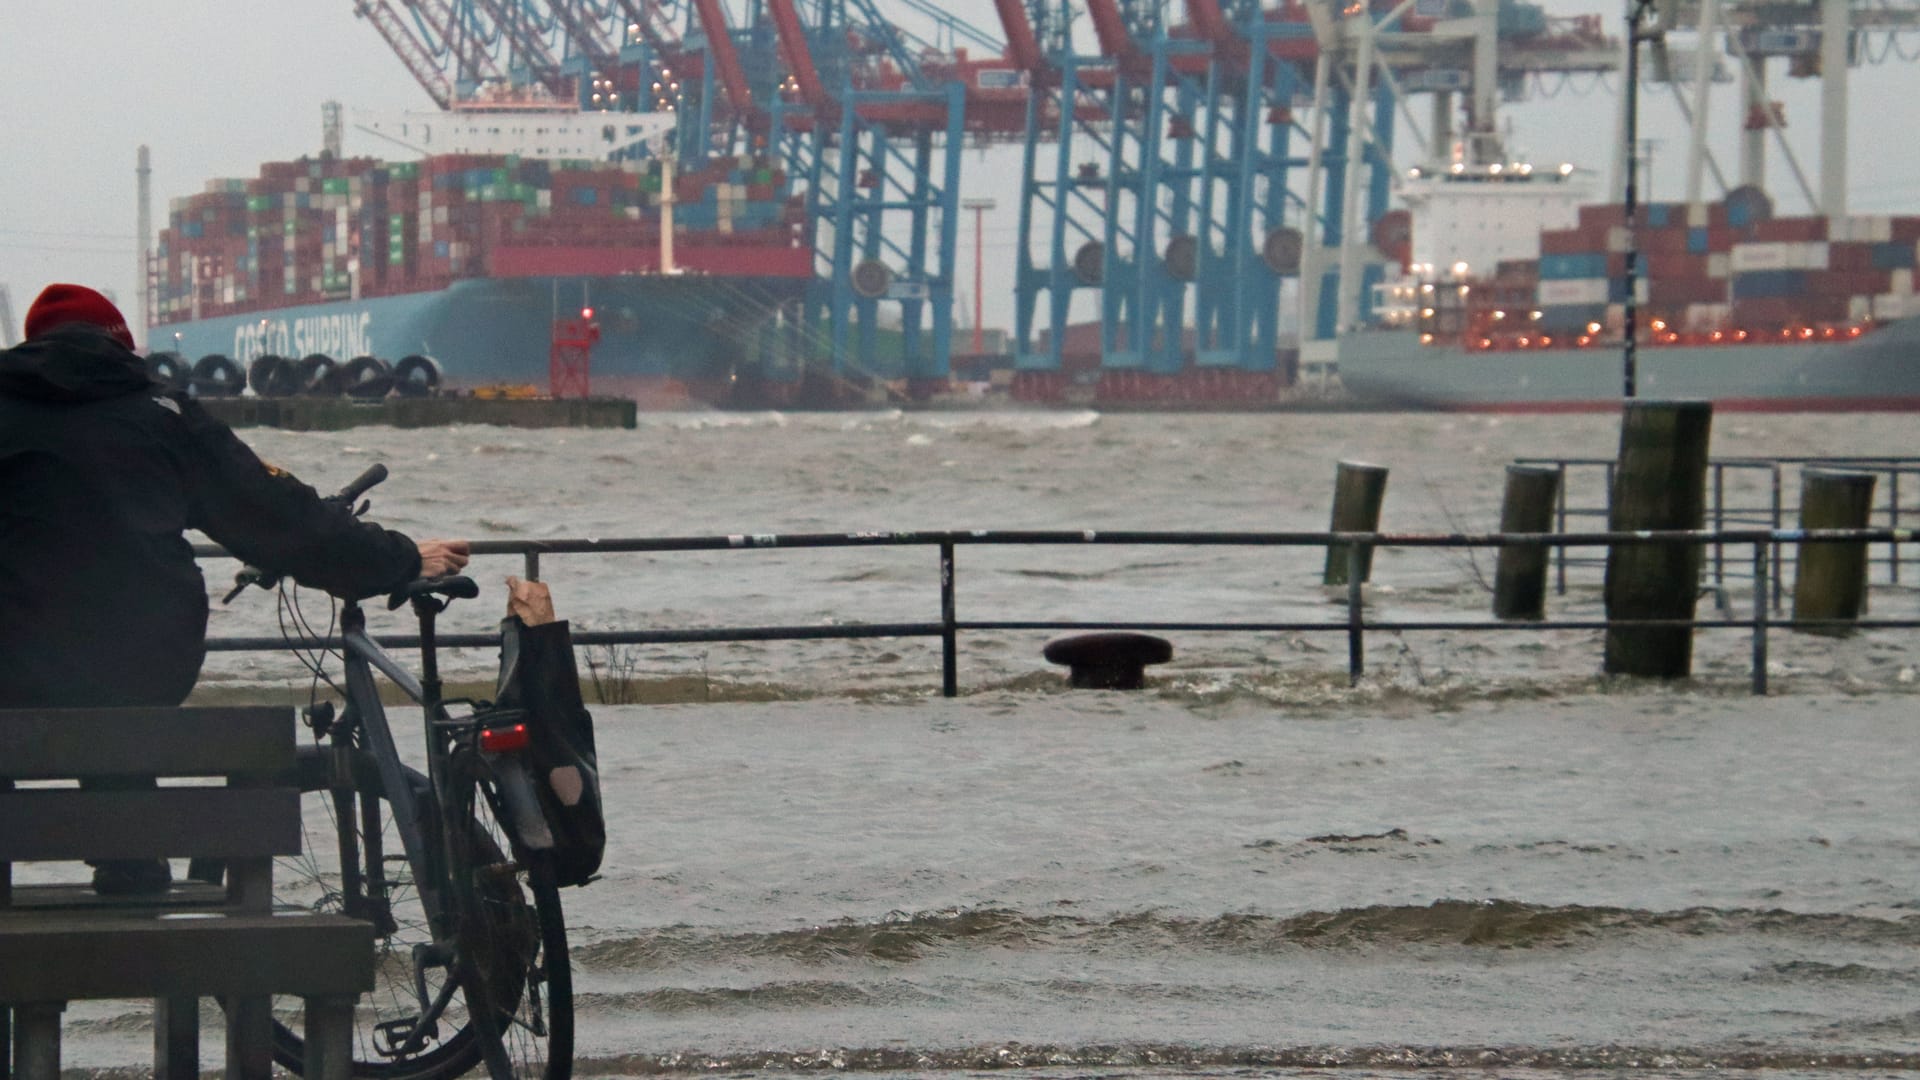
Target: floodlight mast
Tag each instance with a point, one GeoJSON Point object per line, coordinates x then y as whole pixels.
{"type": "Point", "coordinates": [1642, 25]}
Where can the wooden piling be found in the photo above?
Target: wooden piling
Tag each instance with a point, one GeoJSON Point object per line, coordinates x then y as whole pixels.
{"type": "Point", "coordinates": [1659, 483]}
{"type": "Point", "coordinates": [1831, 580]}
{"type": "Point", "coordinates": [1359, 489]}
{"type": "Point", "coordinates": [1520, 571]}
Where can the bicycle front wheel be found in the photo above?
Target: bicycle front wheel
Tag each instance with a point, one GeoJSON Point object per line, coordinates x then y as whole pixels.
{"type": "Point", "coordinates": [353, 863]}
{"type": "Point", "coordinates": [511, 937]}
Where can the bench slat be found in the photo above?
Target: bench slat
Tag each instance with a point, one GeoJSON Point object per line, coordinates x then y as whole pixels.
{"type": "Point", "coordinates": [46, 744]}
{"type": "Point", "coordinates": [78, 896]}
{"type": "Point", "coordinates": [67, 823]}
{"type": "Point", "coordinates": [261, 954]}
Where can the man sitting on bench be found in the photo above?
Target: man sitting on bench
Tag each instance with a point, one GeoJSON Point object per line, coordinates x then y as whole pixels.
{"type": "Point", "coordinates": [101, 474]}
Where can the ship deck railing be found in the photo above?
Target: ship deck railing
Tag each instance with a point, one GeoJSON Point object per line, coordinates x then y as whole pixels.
{"type": "Point", "coordinates": [1746, 491]}
{"type": "Point", "coordinates": [1357, 624]}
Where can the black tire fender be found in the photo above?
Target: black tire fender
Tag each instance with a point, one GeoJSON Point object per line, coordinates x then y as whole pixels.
{"type": "Point", "coordinates": [216, 375]}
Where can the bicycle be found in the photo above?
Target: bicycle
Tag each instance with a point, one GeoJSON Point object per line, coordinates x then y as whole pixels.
{"type": "Point", "coordinates": [472, 964]}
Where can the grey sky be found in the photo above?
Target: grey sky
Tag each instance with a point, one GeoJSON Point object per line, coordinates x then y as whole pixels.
{"type": "Point", "coordinates": [218, 88]}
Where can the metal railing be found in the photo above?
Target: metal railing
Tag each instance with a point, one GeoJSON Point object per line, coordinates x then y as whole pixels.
{"type": "Point", "coordinates": [1354, 627]}
{"type": "Point", "coordinates": [1720, 514]}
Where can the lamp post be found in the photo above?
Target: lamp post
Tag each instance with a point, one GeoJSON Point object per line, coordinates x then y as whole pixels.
{"type": "Point", "coordinates": [979, 208]}
{"type": "Point", "coordinates": [1640, 13]}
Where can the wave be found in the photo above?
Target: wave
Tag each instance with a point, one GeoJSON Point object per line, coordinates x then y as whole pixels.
{"type": "Point", "coordinates": [803, 994]}
{"type": "Point", "coordinates": [1476, 924]}
{"type": "Point", "coordinates": [1160, 1058]}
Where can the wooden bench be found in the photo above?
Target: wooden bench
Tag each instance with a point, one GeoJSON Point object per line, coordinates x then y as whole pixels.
{"type": "Point", "coordinates": [61, 943]}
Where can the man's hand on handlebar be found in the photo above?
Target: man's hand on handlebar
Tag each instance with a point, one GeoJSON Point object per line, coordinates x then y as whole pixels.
{"type": "Point", "coordinates": [439, 558]}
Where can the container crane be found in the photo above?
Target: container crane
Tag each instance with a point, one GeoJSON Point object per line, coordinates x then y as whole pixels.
{"type": "Point", "coordinates": [415, 56]}
{"type": "Point", "coordinates": [525, 34]}
{"type": "Point", "coordinates": [458, 37]}
{"type": "Point", "coordinates": [874, 152]}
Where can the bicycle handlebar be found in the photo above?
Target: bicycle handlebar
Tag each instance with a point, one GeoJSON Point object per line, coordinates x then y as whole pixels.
{"type": "Point", "coordinates": [360, 485]}
{"type": "Point", "coordinates": [375, 473]}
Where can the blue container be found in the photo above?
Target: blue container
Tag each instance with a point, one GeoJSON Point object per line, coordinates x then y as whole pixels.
{"type": "Point", "coordinates": [1657, 215]}
{"type": "Point", "coordinates": [1570, 318]}
{"type": "Point", "coordinates": [586, 196]}
{"type": "Point", "coordinates": [1761, 284]}
{"type": "Point", "coordinates": [1889, 256]}
{"type": "Point", "coordinates": [1696, 241]}
{"type": "Point", "coordinates": [441, 250]}
{"type": "Point", "coordinates": [1739, 214]}
{"type": "Point", "coordinates": [1561, 267]}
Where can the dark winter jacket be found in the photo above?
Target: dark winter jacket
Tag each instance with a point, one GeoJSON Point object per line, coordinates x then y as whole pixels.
{"type": "Point", "coordinates": [101, 601]}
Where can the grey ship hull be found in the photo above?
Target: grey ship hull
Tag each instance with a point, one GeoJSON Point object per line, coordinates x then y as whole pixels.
{"type": "Point", "coordinates": [1879, 371]}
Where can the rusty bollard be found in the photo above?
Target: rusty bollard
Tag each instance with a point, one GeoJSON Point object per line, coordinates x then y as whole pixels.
{"type": "Point", "coordinates": [1115, 660]}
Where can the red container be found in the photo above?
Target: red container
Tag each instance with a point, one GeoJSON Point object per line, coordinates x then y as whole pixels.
{"type": "Point", "coordinates": [1602, 216]}
{"type": "Point", "coordinates": [1794, 229]}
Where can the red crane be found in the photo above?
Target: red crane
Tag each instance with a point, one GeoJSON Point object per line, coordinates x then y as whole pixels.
{"type": "Point", "coordinates": [798, 54]}
{"type": "Point", "coordinates": [546, 66]}
{"type": "Point", "coordinates": [713, 19]}
{"type": "Point", "coordinates": [419, 62]}
{"type": "Point", "coordinates": [474, 60]}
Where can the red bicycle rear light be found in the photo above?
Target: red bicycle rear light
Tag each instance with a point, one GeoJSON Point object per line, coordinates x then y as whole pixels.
{"type": "Point", "coordinates": [504, 739]}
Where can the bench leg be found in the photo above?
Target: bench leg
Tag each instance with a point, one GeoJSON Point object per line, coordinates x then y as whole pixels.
{"type": "Point", "coordinates": [329, 1038]}
{"type": "Point", "coordinates": [249, 1038]}
{"type": "Point", "coordinates": [176, 1038]}
{"type": "Point", "coordinates": [36, 1040]}
{"type": "Point", "coordinates": [6, 1042]}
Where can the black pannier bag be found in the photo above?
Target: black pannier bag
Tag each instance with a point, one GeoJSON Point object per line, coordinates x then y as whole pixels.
{"type": "Point", "coordinates": [537, 674]}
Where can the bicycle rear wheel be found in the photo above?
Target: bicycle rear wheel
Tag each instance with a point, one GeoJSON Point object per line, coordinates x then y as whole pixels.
{"type": "Point", "coordinates": [512, 937]}
{"type": "Point", "coordinates": [362, 871]}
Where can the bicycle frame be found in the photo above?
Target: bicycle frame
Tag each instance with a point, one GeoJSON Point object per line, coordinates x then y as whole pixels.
{"type": "Point", "coordinates": [422, 840]}
{"type": "Point", "coordinates": [363, 711]}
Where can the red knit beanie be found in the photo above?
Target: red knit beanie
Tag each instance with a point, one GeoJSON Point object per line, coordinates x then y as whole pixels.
{"type": "Point", "coordinates": [58, 305]}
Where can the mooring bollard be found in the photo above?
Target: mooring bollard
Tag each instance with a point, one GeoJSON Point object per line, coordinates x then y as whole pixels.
{"type": "Point", "coordinates": [1520, 570]}
{"type": "Point", "coordinates": [1831, 579]}
{"type": "Point", "coordinates": [1358, 491]}
{"type": "Point", "coordinates": [1108, 661]}
{"type": "Point", "coordinates": [1659, 484]}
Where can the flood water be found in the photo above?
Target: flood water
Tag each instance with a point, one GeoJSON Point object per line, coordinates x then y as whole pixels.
{"type": "Point", "coordinates": [1484, 857]}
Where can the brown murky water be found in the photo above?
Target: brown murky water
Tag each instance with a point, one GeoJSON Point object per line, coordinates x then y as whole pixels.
{"type": "Point", "coordinates": [1484, 857]}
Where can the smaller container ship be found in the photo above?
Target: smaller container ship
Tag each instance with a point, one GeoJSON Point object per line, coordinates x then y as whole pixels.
{"type": "Point", "coordinates": [1733, 304]}
{"type": "Point", "coordinates": [460, 263]}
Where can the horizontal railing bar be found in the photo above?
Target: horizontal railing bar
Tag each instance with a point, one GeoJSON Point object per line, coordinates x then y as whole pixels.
{"type": "Point", "coordinates": [1745, 460]}
{"type": "Point", "coordinates": [1201, 539]}
{"type": "Point", "coordinates": [934, 630]}
{"type": "Point", "coordinates": [605, 637]}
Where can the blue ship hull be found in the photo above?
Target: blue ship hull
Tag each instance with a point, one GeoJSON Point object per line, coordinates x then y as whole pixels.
{"type": "Point", "coordinates": [705, 331]}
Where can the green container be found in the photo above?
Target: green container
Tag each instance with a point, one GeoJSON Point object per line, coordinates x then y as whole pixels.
{"type": "Point", "coordinates": [333, 186]}
{"type": "Point", "coordinates": [763, 176]}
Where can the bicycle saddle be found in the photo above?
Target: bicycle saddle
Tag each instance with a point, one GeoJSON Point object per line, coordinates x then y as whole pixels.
{"type": "Point", "coordinates": [451, 586]}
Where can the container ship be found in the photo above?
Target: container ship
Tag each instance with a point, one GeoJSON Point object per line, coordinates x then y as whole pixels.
{"type": "Point", "coordinates": [1733, 304]}
{"type": "Point", "coordinates": [461, 265]}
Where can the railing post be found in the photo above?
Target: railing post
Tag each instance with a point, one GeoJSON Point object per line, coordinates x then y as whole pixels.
{"type": "Point", "coordinates": [1893, 522]}
{"type": "Point", "coordinates": [533, 565]}
{"type": "Point", "coordinates": [1779, 553]}
{"type": "Point", "coordinates": [1358, 555]}
{"type": "Point", "coordinates": [1560, 526]}
{"type": "Point", "coordinates": [1760, 608]}
{"type": "Point", "coordinates": [949, 633]}
{"type": "Point", "coordinates": [1720, 526]}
